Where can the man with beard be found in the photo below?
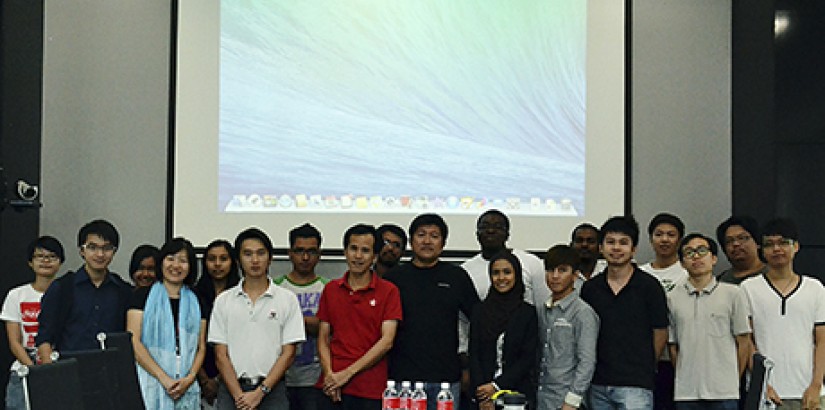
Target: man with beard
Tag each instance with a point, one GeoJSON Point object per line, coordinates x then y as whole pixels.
{"type": "Point", "coordinates": [394, 243]}
{"type": "Point", "coordinates": [585, 241]}
{"type": "Point", "coordinates": [633, 330]}
{"type": "Point", "coordinates": [739, 236]}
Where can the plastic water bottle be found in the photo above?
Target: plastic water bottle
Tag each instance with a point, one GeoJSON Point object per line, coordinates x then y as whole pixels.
{"type": "Point", "coordinates": [389, 400]}
{"type": "Point", "coordinates": [445, 397]}
{"type": "Point", "coordinates": [419, 397]}
{"type": "Point", "coordinates": [405, 396]}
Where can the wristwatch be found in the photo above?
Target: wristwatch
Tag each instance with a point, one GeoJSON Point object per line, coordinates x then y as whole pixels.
{"type": "Point", "coordinates": [265, 389]}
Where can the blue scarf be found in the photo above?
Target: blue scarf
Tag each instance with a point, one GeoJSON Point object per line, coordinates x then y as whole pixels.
{"type": "Point", "coordinates": [158, 335]}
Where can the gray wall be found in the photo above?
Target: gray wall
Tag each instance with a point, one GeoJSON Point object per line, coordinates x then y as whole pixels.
{"type": "Point", "coordinates": [106, 102]}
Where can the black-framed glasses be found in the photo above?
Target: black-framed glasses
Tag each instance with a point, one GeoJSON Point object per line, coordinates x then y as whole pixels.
{"type": "Point", "coordinates": [770, 243]}
{"type": "Point", "coordinates": [45, 257]}
{"type": "Point", "coordinates": [741, 238]}
{"type": "Point", "coordinates": [691, 253]}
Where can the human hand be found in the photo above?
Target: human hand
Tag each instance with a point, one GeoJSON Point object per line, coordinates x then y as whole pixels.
{"type": "Point", "coordinates": [485, 391]}
{"type": "Point", "coordinates": [249, 400]}
{"type": "Point", "coordinates": [337, 380]}
{"type": "Point", "coordinates": [771, 395]}
{"type": "Point", "coordinates": [810, 398]}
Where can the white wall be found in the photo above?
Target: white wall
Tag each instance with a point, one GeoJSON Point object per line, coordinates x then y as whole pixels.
{"type": "Point", "coordinates": [106, 72]}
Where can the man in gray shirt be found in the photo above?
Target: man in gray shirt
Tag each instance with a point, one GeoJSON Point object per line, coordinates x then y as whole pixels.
{"type": "Point", "coordinates": [568, 331]}
{"type": "Point", "coordinates": [709, 331]}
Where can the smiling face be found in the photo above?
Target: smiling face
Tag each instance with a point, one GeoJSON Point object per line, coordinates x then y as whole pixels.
{"type": "Point", "coordinates": [391, 251]}
{"type": "Point", "coordinates": [175, 267]}
{"type": "Point", "coordinates": [665, 240]}
{"type": "Point", "coordinates": [44, 263]}
{"type": "Point", "coordinates": [427, 244]}
{"type": "Point", "coordinates": [560, 280]}
{"type": "Point", "coordinates": [491, 232]}
{"type": "Point", "coordinates": [97, 253]}
{"type": "Point", "coordinates": [502, 275]}
{"type": "Point", "coordinates": [218, 262]}
{"type": "Point", "coordinates": [617, 249]}
{"type": "Point", "coordinates": [145, 273]}
{"type": "Point", "coordinates": [360, 254]}
{"type": "Point", "coordinates": [697, 258]}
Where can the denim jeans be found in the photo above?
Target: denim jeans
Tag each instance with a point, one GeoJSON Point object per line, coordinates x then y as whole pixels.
{"type": "Point", "coordinates": [432, 390]}
{"type": "Point", "coordinates": [273, 401]}
{"type": "Point", "coordinates": [14, 393]}
{"type": "Point", "coordinates": [620, 398]}
{"type": "Point", "coordinates": [732, 404]}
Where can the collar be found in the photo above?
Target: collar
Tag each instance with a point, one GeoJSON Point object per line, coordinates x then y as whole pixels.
{"type": "Point", "coordinates": [563, 304]}
{"type": "Point", "coordinates": [707, 290]}
{"type": "Point", "coordinates": [270, 290]}
{"type": "Point", "coordinates": [344, 283]}
{"type": "Point", "coordinates": [81, 275]}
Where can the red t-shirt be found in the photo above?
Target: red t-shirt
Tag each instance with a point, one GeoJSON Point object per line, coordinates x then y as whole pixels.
{"type": "Point", "coordinates": [355, 319]}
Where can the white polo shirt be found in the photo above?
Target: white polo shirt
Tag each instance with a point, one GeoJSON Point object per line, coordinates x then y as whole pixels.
{"type": "Point", "coordinates": [256, 332]}
{"type": "Point", "coordinates": [783, 329]}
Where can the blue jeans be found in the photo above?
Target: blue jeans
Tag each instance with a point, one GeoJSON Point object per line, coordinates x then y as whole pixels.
{"type": "Point", "coordinates": [620, 398]}
{"type": "Point", "coordinates": [432, 390]}
{"type": "Point", "coordinates": [14, 393]}
{"type": "Point", "coordinates": [731, 404]}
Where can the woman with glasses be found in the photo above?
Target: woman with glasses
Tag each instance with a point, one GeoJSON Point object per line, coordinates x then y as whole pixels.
{"type": "Point", "coordinates": [22, 308]}
{"type": "Point", "coordinates": [168, 329]}
{"type": "Point", "coordinates": [503, 335]}
{"type": "Point", "coordinates": [220, 272]}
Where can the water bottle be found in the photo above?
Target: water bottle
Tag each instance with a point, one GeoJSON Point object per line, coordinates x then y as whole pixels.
{"type": "Point", "coordinates": [389, 400]}
{"type": "Point", "coordinates": [445, 397]}
{"type": "Point", "coordinates": [419, 397]}
{"type": "Point", "coordinates": [513, 401]}
{"type": "Point", "coordinates": [405, 396]}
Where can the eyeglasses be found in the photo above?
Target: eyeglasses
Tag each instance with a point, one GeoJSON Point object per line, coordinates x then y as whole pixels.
{"type": "Point", "coordinates": [92, 248]}
{"type": "Point", "coordinates": [769, 243]}
{"type": "Point", "coordinates": [394, 244]}
{"type": "Point", "coordinates": [45, 257]}
{"type": "Point", "coordinates": [691, 253]}
{"type": "Point", "coordinates": [742, 238]}
{"type": "Point", "coordinates": [308, 252]}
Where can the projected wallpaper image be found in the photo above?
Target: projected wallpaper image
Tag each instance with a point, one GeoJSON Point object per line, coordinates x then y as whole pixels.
{"type": "Point", "coordinates": [395, 105]}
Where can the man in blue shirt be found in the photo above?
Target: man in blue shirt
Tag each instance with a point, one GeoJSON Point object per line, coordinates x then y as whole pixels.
{"type": "Point", "coordinates": [82, 304]}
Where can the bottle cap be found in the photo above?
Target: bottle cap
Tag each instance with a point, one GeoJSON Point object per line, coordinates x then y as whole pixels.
{"type": "Point", "coordinates": [405, 383]}
{"type": "Point", "coordinates": [445, 385]}
{"type": "Point", "coordinates": [390, 383]}
{"type": "Point", "coordinates": [419, 385]}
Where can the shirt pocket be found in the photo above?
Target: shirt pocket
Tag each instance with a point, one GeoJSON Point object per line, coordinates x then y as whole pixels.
{"type": "Point", "coordinates": [719, 325]}
{"type": "Point", "coordinates": [562, 340]}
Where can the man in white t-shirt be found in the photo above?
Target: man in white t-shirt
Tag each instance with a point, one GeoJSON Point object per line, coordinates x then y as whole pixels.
{"type": "Point", "coordinates": [21, 309]}
{"type": "Point", "coordinates": [255, 327]}
{"type": "Point", "coordinates": [788, 316]}
{"type": "Point", "coordinates": [665, 232]}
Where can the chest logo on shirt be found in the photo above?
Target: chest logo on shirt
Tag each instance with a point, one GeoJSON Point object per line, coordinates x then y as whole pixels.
{"type": "Point", "coordinates": [562, 322]}
{"type": "Point", "coordinates": [443, 285]}
{"type": "Point", "coordinates": [372, 302]}
{"type": "Point", "coordinates": [272, 314]}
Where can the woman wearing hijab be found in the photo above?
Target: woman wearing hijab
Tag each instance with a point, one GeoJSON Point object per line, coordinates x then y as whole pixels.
{"type": "Point", "coordinates": [503, 335]}
{"type": "Point", "coordinates": [169, 331]}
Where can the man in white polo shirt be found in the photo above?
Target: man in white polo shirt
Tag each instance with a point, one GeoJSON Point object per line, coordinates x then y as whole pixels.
{"type": "Point", "coordinates": [255, 327]}
{"type": "Point", "coordinates": [709, 331]}
{"type": "Point", "coordinates": [788, 314]}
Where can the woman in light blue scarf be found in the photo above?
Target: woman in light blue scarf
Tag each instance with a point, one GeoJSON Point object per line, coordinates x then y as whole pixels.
{"type": "Point", "coordinates": [169, 331]}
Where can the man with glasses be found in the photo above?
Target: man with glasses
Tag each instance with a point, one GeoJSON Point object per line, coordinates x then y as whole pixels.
{"type": "Point", "coordinates": [709, 334]}
{"type": "Point", "coordinates": [21, 309]}
{"type": "Point", "coordinates": [304, 253]}
{"type": "Point", "coordinates": [788, 316]}
{"type": "Point", "coordinates": [80, 305]}
{"type": "Point", "coordinates": [739, 236]}
{"type": "Point", "coordinates": [394, 242]}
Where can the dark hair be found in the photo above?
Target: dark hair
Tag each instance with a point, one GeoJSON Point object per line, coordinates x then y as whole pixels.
{"type": "Point", "coordinates": [429, 219]}
{"type": "Point", "coordinates": [505, 254]}
{"type": "Point", "coordinates": [253, 233]}
{"type": "Point", "coordinates": [139, 254]}
{"type": "Point", "coordinates": [666, 218]}
{"type": "Point", "coordinates": [101, 228]}
{"type": "Point", "coordinates": [559, 255]}
{"type": "Point", "coordinates": [494, 212]}
{"type": "Point", "coordinates": [397, 230]}
{"type": "Point", "coordinates": [363, 229]}
{"type": "Point", "coordinates": [205, 287]}
{"type": "Point", "coordinates": [584, 225]}
{"type": "Point", "coordinates": [49, 243]}
{"type": "Point", "coordinates": [714, 249]}
{"type": "Point", "coordinates": [784, 227]}
{"type": "Point", "coordinates": [746, 222]}
{"type": "Point", "coordinates": [621, 224]}
{"type": "Point", "coordinates": [174, 246]}
{"type": "Point", "coordinates": [304, 231]}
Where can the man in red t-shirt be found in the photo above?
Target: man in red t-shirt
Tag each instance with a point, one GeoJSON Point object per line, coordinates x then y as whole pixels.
{"type": "Point", "coordinates": [359, 315]}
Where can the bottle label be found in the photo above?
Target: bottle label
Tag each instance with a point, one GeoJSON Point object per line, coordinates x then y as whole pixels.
{"type": "Point", "coordinates": [406, 403]}
{"type": "Point", "coordinates": [390, 403]}
{"type": "Point", "coordinates": [419, 404]}
{"type": "Point", "coordinates": [445, 405]}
